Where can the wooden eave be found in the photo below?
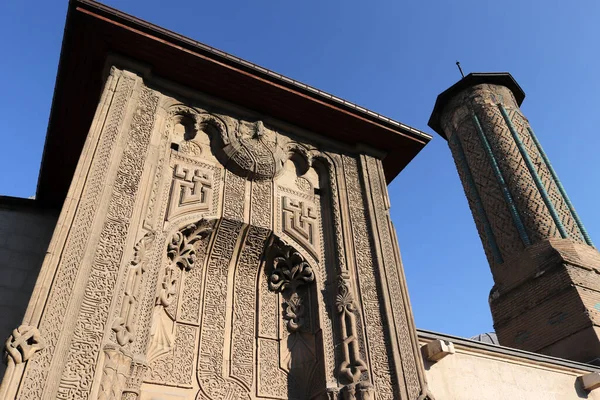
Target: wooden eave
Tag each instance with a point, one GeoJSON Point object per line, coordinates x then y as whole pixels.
{"type": "Point", "coordinates": [93, 31]}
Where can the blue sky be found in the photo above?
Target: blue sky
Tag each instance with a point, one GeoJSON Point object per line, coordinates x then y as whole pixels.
{"type": "Point", "coordinates": [393, 57]}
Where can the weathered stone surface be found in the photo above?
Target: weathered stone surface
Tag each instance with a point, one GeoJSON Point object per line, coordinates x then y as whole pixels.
{"type": "Point", "coordinates": [209, 256]}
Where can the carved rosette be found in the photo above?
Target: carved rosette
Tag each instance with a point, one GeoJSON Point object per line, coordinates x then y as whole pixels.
{"type": "Point", "coordinates": [252, 151]}
{"type": "Point", "coordinates": [24, 342]}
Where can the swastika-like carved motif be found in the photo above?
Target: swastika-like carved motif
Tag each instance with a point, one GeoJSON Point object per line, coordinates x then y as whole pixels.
{"type": "Point", "coordinates": [276, 290]}
{"type": "Point", "coordinates": [24, 342]}
{"type": "Point", "coordinates": [299, 221]}
{"type": "Point", "coordinates": [191, 191]}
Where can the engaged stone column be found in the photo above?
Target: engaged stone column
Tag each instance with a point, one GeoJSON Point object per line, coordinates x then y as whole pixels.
{"type": "Point", "coordinates": [542, 259]}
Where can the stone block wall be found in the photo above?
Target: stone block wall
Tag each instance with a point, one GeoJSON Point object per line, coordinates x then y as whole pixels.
{"type": "Point", "coordinates": [25, 233]}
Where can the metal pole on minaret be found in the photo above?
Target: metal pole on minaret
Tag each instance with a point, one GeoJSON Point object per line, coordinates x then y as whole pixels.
{"type": "Point", "coordinates": [546, 296]}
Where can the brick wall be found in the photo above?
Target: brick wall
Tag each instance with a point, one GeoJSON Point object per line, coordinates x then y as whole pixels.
{"type": "Point", "coordinates": [25, 233]}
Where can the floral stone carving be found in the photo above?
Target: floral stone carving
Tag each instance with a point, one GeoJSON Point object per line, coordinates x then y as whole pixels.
{"type": "Point", "coordinates": [290, 272]}
{"type": "Point", "coordinates": [250, 150]}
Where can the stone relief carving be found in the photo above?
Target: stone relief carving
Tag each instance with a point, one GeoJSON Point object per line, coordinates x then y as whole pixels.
{"type": "Point", "coordinates": [299, 221]}
{"type": "Point", "coordinates": [38, 370]}
{"type": "Point", "coordinates": [292, 277]}
{"type": "Point", "coordinates": [210, 364]}
{"type": "Point", "coordinates": [358, 391]}
{"type": "Point", "coordinates": [244, 313]}
{"type": "Point", "coordinates": [182, 255]}
{"type": "Point", "coordinates": [379, 344]}
{"type": "Point", "coordinates": [352, 366]}
{"type": "Point", "coordinates": [410, 370]}
{"type": "Point", "coordinates": [290, 269]}
{"type": "Point", "coordinates": [191, 191]}
{"type": "Point", "coordinates": [114, 373]}
{"type": "Point", "coordinates": [24, 342]}
{"type": "Point", "coordinates": [249, 149]}
{"type": "Point", "coordinates": [137, 372]}
{"type": "Point", "coordinates": [220, 323]}
{"type": "Point", "coordinates": [290, 272]}
{"type": "Point", "coordinates": [93, 315]}
{"type": "Point", "coordinates": [123, 325]}
{"type": "Point", "coordinates": [253, 151]}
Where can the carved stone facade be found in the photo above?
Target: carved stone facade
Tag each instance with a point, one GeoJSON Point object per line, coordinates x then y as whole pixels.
{"type": "Point", "coordinates": [544, 264]}
{"type": "Point", "coordinates": [212, 255]}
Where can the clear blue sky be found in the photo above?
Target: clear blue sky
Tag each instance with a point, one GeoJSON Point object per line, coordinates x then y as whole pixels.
{"type": "Point", "coordinates": [393, 57]}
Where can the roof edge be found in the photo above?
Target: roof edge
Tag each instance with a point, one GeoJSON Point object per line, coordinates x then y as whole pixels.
{"type": "Point", "coordinates": [430, 335]}
{"type": "Point", "coordinates": [472, 79]}
{"type": "Point", "coordinates": [254, 68]}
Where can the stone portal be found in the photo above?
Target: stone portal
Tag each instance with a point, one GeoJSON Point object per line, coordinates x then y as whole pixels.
{"type": "Point", "coordinates": [213, 255]}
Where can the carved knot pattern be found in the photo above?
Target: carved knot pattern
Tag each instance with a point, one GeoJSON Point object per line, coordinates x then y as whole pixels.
{"type": "Point", "coordinates": [191, 191]}
{"type": "Point", "coordinates": [123, 326]}
{"type": "Point", "coordinates": [24, 342]}
{"type": "Point", "coordinates": [290, 272]}
{"type": "Point", "coordinates": [352, 365]}
{"type": "Point", "coordinates": [294, 313]}
{"type": "Point", "coordinates": [253, 151]}
{"type": "Point", "coordinates": [300, 222]}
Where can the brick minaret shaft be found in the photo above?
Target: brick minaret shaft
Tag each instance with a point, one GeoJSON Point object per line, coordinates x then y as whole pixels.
{"type": "Point", "coordinates": [546, 296]}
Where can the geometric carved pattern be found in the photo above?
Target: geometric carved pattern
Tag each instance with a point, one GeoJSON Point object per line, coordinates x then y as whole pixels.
{"type": "Point", "coordinates": [191, 191]}
{"type": "Point", "coordinates": [85, 345]}
{"type": "Point", "coordinates": [300, 222]}
{"type": "Point", "coordinates": [379, 346]}
{"type": "Point", "coordinates": [529, 202]}
{"type": "Point", "coordinates": [556, 198]}
{"type": "Point", "coordinates": [400, 318]}
{"type": "Point", "coordinates": [490, 191]}
{"type": "Point", "coordinates": [38, 369]}
{"type": "Point", "coordinates": [200, 318]}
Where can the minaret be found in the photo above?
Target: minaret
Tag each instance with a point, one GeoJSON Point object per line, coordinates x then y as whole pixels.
{"type": "Point", "coordinates": [546, 296]}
